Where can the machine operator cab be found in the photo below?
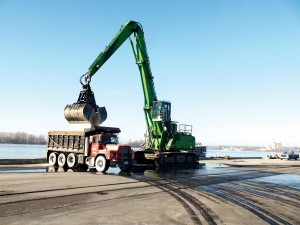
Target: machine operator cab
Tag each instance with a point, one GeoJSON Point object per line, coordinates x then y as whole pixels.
{"type": "Point", "coordinates": [161, 111]}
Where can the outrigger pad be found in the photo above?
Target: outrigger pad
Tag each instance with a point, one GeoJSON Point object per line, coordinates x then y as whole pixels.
{"type": "Point", "coordinates": [85, 109]}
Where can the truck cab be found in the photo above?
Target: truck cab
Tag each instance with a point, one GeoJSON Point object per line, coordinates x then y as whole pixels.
{"type": "Point", "coordinates": [105, 151]}
{"type": "Point", "coordinates": [98, 142]}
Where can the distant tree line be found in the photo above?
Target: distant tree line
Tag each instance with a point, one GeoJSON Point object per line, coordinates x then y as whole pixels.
{"type": "Point", "coordinates": [21, 138]}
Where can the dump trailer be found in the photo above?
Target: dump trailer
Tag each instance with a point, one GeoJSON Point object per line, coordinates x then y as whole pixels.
{"type": "Point", "coordinates": [97, 147]}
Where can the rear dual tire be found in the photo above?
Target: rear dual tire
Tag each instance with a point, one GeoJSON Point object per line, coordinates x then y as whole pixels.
{"type": "Point", "coordinates": [52, 159]}
{"type": "Point", "coordinates": [72, 160]}
{"type": "Point", "coordinates": [61, 160]}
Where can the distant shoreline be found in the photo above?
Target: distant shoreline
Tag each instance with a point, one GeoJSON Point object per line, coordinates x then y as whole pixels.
{"type": "Point", "coordinates": [228, 148]}
{"type": "Point", "coordinates": [4, 143]}
{"type": "Point", "coordinates": [248, 148]}
{"type": "Point", "coordinates": [21, 138]}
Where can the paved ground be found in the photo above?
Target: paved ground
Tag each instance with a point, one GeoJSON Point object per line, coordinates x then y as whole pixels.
{"type": "Point", "coordinates": [246, 192]}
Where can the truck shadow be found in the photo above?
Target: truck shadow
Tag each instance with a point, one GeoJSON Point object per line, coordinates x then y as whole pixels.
{"type": "Point", "coordinates": [142, 173]}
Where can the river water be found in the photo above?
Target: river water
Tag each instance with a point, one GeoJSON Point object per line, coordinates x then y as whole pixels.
{"type": "Point", "coordinates": [17, 151]}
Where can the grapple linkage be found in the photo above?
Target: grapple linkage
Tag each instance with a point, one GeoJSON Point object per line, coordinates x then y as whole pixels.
{"type": "Point", "coordinates": [85, 110]}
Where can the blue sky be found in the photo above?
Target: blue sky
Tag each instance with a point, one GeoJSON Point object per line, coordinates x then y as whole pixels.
{"type": "Point", "coordinates": [230, 68]}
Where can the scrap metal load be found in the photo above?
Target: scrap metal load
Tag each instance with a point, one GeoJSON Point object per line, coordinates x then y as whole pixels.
{"type": "Point", "coordinates": [85, 110]}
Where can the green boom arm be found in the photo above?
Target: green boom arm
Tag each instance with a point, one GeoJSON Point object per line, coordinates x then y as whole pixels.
{"type": "Point", "coordinates": [156, 132]}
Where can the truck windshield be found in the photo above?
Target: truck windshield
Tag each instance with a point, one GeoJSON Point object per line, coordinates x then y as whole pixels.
{"type": "Point", "coordinates": [109, 139]}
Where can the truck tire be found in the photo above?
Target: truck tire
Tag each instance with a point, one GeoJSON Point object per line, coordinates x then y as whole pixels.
{"type": "Point", "coordinates": [61, 160]}
{"type": "Point", "coordinates": [72, 160]}
{"type": "Point", "coordinates": [101, 164]}
{"type": "Point", "coordinates": [52, 159]}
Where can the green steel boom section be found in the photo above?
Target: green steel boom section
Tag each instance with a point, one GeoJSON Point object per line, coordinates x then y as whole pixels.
{"type": "Point", "coordinates": [158, 136]}
{"type": "Point", "coordinates": [140, 53]}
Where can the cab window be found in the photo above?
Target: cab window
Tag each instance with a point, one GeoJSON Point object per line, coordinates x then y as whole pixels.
{"type": "Point", "coordinates": [109, 139]}
{"type": "Point", "coordinates": [96, 139]}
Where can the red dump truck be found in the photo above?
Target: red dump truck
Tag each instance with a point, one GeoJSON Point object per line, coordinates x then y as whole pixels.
{"type": "Point", "coordinates": [96, 147]}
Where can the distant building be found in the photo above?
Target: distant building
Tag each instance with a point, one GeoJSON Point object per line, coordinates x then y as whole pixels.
{"type": "Point", "coordinates": [275, 146]}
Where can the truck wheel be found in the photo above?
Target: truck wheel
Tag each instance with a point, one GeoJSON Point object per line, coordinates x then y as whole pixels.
{"type": "Point", "coordinates": [101, 164]}
{"type": "Point", "coordinates": [72, 160]}
{"type": "Point", "coordinates": [52, 159]}
{"type": "Point", "coordinates": [61, 160]}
